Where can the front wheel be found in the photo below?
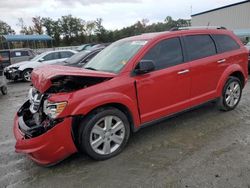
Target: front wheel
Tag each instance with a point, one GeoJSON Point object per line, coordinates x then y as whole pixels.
{"type": "Point", "coordinates": [231, 94]}
{"type": "Point", "coordinates": [26, 75]}
{"type": "Point", "coordinates": [104, 133]}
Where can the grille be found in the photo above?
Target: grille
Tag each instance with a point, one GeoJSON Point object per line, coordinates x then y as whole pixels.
{"type": "Point", "coordinates": [35, 99]}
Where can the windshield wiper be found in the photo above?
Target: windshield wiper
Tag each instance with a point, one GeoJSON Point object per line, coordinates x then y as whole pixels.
{"type": "Point", "coordinates": [90, 68]}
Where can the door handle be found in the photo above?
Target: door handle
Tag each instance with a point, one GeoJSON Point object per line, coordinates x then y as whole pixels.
{"type": "Point", "coordinates": [221, 61]}
{"type": "Point", "coordinates": [183, 71]}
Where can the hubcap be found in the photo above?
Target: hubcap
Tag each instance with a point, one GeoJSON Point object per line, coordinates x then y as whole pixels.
{"type": "Point", "coordinates": [27, 75]}
{"type": "Point", "coordinates": [107, 135]}
{"type": "Point", "coordinates": [232, 95]}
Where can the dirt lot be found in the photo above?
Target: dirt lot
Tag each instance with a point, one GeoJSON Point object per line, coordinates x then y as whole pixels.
{"type": "Point", "coordinates": [201, 148]}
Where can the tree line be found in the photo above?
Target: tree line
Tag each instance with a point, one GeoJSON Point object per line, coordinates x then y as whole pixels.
{"type": "Point", "coordinates": [69, 30]}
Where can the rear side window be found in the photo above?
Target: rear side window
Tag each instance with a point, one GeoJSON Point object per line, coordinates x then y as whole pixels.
{"type": "Point", "coordinates": [199, 46]}
{"type": "Point", "coordinates": [24, 53]}
{"type": "Point", "coordinates": [166, 53]}
{"type": "Point", "coordinates": [225, 43]}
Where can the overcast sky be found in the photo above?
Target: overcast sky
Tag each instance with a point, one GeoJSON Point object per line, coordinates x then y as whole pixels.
{"type": "Point", "coordinates": [115, 13]}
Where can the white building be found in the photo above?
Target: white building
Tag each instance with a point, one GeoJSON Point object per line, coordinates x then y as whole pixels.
{"type": "Point", "coordinates": [235, 17]}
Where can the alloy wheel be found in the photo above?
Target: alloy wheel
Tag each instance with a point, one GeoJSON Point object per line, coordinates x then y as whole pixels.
{"type": "Point", "coordinates": [27, 75]}
{"type": "Point", "coordinates": [107, 135]}
{"type": "Point", "coordinates": [232, 94]}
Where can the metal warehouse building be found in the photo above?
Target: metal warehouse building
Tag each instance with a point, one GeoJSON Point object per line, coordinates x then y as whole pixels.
{"type": "Point", "coordinates": [235, 17]}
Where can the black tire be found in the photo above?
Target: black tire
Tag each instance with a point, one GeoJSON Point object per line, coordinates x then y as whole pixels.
{"type": "Point", "coordinates": [88, 123]}
{"type": "Point", "coordinates": [223, 105]}
{"type": "Point", "coordinates": [4, 90]}
{"type": "Point", "coordinates": [26, 71]}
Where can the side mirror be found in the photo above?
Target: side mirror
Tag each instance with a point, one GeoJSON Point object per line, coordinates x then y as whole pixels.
{"type": "Point", "coordinates": [144, 66]}
{"type": "Point", "coordinates": [41, 60]}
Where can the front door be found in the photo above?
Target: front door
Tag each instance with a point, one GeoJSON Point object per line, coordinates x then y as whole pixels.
{"type": "Point", "coordinates": [165, 90]}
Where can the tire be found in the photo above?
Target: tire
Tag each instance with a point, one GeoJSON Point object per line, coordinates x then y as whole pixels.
{"type": "Point", "coordinates": [26, 75]}
{"type": "Point", "coordinates": [102, 141]}
{"type": "Point", "coordinates": [231, 94]}
{"type": "Point", "coordinates": [4, 90]}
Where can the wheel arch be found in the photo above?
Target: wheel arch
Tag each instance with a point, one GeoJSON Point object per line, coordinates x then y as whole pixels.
{"type": "Point", "coordinates": [77, 119]}
{"type": "Point", "coordinates": [233, 70]}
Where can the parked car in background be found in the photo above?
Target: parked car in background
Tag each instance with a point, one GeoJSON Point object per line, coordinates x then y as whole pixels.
{"type": "Point", "coordinates": [18, 55]}
{"type": "Point", "coordinates": [22, 70]}
{"type": "Point", "coordinates": [80, 58]}
{"type": "Point", "coordinates": [3, 86]}
{"type": "Point", "coordinates": [102, 45]}
{"type": "Point", "coordinates": [85, 47]}
{"type": "Point", "coordinates": [5, 59]}
{"type": "Point", "coordinates": [133, 83]}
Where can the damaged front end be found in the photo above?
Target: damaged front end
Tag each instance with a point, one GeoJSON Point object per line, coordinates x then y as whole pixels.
{"type": "Point", "coordinates": [42, 127]}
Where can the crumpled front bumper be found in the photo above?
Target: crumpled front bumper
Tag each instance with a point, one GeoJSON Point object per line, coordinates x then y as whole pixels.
{"type": "Point", "coordinates": [12, 75]}
{"type": "Point", "coordinates": [49, 148]}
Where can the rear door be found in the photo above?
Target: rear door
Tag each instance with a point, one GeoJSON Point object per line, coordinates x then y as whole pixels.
{"type": "Point", "coordinates": [167, 89]}
{"type": "Point", "coordinates": [206, 67]}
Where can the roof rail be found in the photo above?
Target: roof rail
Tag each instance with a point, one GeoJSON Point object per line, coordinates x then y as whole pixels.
{"type": "Point", "coordinates": [196, 27]}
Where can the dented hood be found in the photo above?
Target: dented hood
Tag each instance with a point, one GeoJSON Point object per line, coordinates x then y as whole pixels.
{"type": "Point", "coordinates": [41, 77]}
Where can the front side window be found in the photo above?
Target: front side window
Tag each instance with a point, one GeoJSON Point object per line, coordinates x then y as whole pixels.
{"type": "Point", "coordinates": [165, 54]}
{"type": "Point", "coordinates": [115, 57]}
{"type": "Point", "coordinates": [199, 46]}
{"type": "Point", "coordinates": [225, 43]}
{"type": "Point", "coordinates": [51, 56]}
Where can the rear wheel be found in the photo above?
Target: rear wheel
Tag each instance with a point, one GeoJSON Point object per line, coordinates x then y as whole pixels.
{"type": "Point", "coordinates": [231, 94]}
{"type": "Point", "coordinates": [26, 75]}
{"type": "Point", "coordinates": [104, 133]}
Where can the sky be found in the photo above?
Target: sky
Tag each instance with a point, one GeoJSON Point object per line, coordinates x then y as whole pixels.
{"type": "Point", "coordinates": [116, 14]}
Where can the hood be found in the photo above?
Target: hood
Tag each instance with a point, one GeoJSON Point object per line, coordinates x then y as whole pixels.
{"type": "Point", "coordinates": [19, 64]}
{"type": "Point", "coordinates": [43, 78]}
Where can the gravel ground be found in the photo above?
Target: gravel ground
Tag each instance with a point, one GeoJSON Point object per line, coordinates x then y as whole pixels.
{"type": "Point", "coordinates": [201, 148]}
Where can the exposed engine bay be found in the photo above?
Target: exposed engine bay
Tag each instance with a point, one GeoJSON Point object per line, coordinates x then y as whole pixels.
{"type": "Point", "coordinates": [73, 83]}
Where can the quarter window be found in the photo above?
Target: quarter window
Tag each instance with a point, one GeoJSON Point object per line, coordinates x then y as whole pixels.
{"type": "Point", "coordinates": [199, 46]}
{"type": "Point", "coordinates": [165, 54]}
{"type": "Point", "coordinates": [225, 43]}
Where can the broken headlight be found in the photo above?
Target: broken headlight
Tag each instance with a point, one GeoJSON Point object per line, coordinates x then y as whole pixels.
{"type": "Point", "coordinates": [53, 109]}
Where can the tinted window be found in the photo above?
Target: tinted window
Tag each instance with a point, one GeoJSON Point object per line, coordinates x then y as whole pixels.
{"type": "Point", "coordinates": [51, 56]}
{"type": "Point", "coordinates": [24, 53]}
{"type": "Point", "coordinates": [66, 54]}
{"type": "Point", "coordinates": [92, 55]}
{"type": "Point", "coordinates": [166, 53]}
{"type": "Point", "coordinates": [225, 43]}
{"type": "Point", "coordinates": [199, 46]}
{"type": "Point", "coordinates": [16, 54]}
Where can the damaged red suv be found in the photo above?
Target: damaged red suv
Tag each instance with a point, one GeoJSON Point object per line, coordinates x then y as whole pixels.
{"type": "Point", "coordinates": [134, 82]}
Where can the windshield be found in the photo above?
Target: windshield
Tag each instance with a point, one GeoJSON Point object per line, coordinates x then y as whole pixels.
{"type": "Point", "coordinates": [36, 58]}
{"type": "Point", "coordinates": [77, 57]}
{"type": "Point", "coordinates": [115, 57]}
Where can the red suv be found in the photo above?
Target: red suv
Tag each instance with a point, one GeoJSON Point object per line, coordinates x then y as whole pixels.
{"type": "Point", "coordinates": [132, 83]}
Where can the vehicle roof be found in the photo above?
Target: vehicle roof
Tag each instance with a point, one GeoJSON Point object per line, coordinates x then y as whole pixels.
{"type": "Point", "coordinates": [64, 50]}
{"type": "Point", "coordinates": [156, 35]}
{"type": "Point", "coordinates": [15, 49]}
